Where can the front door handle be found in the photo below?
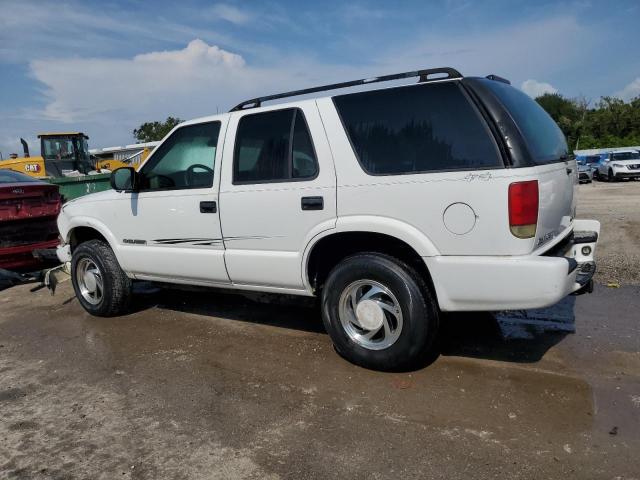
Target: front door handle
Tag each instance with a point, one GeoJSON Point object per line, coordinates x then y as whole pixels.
{"type": "Point", "coordinates": [312, 203]}
{"type": "Point", "coordinates": [208, 207]}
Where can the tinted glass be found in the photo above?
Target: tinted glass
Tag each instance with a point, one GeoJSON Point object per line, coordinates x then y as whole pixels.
{"type": "Point", "coordinates": [273, 147]}
{"type": "Point", "coordinates": [544, 139]}
{"type": "Point", "coordinates": [416, 129]}
{"type": "Point", "coordinates": [9, 176]}
{"type": "Point", "coordinates": [184, 160]}
{"type": "Point", "coordinates": [303, 156]}
{"type": "Point", "coordinates": [58, 149]}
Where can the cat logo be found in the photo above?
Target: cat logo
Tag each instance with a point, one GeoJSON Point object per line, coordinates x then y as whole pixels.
{"type": "Point", "coordinates": [32, 167]}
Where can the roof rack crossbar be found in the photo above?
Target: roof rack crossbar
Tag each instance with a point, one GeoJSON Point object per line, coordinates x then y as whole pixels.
{"type": "Point", "coordinates": [425, 76]}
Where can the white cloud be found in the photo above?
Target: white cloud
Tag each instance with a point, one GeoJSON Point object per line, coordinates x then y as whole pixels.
{"type": "Point", "coordinates": [84, 89]}
{"type": "Point", "coordinates": [534, 89]}
{"type": "Point", "coordinates": [517, 52]}
{"type": "Point", "coordinates": [632, 90]}
{"type": "Point", "coordinates": [197, 54]}
{"type": "Point", "coordinates": [231, 14]}
{"type": "Point", "coordinates": [107, 98]}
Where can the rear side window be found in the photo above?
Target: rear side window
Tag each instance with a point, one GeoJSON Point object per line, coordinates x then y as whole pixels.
{"type": "Point", "coordinates": [544, 139]}
{"type": "Point", "coordinates": [274, 147]}
{"type": "Point", "coordinates": [421, 128]}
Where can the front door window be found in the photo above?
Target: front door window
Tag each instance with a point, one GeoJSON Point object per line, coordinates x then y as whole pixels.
{"type": "Point", "coordinates": [185, 160]}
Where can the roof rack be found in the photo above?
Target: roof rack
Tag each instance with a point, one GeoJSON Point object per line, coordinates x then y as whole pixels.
{"type": "Point", "coordinates": [425, 76]}
{"type": "Point", "coordinates": [498, 79]}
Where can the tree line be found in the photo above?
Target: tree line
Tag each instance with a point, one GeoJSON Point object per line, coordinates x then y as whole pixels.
{"type": "Point", "coordinates": [610, 122]}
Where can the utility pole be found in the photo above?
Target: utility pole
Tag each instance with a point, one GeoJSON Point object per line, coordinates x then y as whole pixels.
{"type": "Point", "coordinates": [584, 112]}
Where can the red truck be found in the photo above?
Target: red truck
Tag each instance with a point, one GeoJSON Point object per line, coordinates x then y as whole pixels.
{"type": "Point", "coordinates": [28, 212]}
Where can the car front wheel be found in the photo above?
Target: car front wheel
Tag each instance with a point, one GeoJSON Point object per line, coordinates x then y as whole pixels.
{"type": "Point", "coordinates": [379, 312]}
{"type": "Point", "coordinates": [101, 286]}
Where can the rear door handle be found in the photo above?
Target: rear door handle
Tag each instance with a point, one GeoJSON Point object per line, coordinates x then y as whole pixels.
{"type": "Point", "coordinates": [312, 203]}
{"type": "Point", "coordinates": [208, 207]}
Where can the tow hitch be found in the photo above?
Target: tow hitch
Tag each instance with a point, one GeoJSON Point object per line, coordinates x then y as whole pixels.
{"type": "Point", "coordinates": [584, 277]}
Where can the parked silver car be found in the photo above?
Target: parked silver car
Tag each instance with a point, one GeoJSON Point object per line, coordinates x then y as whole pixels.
{"type": "Point", "coordinates": [585, 171]}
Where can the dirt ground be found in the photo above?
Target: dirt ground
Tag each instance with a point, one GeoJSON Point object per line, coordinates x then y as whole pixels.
{"type": "Point", "coordinates": [211, 385]}
{"type": "Point", "coordinates": [617, 207]}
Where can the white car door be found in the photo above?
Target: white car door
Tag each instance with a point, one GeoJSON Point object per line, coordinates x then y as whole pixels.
{"type": "Point", "coordinates": [170, 227]}
{"type": "Point", "coordinates": [277, 191]}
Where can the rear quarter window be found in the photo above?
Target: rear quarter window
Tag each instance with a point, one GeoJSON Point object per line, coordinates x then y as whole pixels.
{"type": "Point", "coordinates": [544, 139]}
{"type": "Point", "coordinates": [421, 128]}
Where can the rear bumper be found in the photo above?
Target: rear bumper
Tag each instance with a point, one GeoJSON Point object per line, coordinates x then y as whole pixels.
{"type": "Point", "coordinates": [22, 256]}
{"type": "Point", "coordinates": [519, 282]}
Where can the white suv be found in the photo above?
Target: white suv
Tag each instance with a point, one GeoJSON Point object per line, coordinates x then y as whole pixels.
{"type": "Point", "coordinates": [392, 205]}
{"type": "Point", "coordinates": [619, 165]}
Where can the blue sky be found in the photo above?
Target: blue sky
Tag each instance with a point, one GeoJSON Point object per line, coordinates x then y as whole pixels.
{"type": "Point", "coordinates": [104, 67]}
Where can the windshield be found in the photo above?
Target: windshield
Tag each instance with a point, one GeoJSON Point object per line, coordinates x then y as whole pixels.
{"type": "Point", "coordinates": [58, 149]}
{"type": "Point", "coordinates": [626, 156]}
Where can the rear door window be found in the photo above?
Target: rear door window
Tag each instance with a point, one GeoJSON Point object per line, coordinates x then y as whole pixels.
{"type": "Point", "coordinates": [422, 128]}
{"type": "Point", "coordinates": [274, 146]}
{"type": "Point", "coordinates": [544, 139]}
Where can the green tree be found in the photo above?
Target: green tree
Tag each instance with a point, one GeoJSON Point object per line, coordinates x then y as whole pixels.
{"type": "Point", "coordinates": [612, 122]}
{"type": "Point", "coordinates": [567, 113]}
{"type": "Point", "coordinates": [154, 131]}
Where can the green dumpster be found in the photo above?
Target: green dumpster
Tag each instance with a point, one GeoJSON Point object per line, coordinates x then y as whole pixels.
{"type": "Point", "coordinates": [74, 187]}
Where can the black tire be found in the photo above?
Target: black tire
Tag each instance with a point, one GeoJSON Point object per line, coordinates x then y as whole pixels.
{"type": "Point", "coordinates": [117, 287]}
{"type": "Point", "coordinates": [610, 176]}
{"type": "Point", "coordinates": [420, 315]}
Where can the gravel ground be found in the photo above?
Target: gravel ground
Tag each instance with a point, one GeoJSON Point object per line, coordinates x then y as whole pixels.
{"type": "Point", "coordinates": [209, 385]}
{"type": "Point", "coordinates": [617, 207]}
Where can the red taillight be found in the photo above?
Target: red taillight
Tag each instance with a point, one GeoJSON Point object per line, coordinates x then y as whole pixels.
{"type": "Point", "coordinates": [523, 208]}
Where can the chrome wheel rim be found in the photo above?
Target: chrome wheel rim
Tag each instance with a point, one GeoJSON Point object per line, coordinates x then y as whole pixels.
{"type": "Point", "coordinates": [370, 314]}
{"type": "Point", "coordinates": [89, 280]}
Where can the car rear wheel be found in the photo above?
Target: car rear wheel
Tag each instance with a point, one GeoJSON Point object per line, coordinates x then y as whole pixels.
{"type": "Point", "coordinates": [102, 288]}
{"type": "Point", "coordinates": [379, 312]}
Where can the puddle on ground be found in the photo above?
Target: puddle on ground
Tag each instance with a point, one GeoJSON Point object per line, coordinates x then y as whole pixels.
{"type": "Point", "coordinates": [528, 324]}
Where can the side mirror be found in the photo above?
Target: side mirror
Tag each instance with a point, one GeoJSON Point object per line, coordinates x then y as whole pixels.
{"type": "Point", "coordinates": [124, 179]}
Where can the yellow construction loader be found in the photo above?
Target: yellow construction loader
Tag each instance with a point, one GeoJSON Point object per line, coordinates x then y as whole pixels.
{"type": "Point", "coordinates": [62, 153]}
